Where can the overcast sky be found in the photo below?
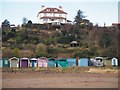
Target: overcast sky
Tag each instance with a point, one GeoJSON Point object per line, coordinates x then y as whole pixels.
{"type": "Point", "coordinates": [105, 11]}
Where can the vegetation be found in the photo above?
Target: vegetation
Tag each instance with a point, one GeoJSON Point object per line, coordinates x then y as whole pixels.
{"type": "Point", "coordinates": [36, 40]}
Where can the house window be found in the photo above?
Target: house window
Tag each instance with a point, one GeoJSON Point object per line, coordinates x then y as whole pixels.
{"type": "Point", "coordinates": [60, 20]}
{"type": "Point", "coordinates": [45, 20]}
{"type": "Point", "coordinates": [60, 15]}
{"type": "Point", "coordinates": [52, 19]}
{"type": "Point", "coordinates": [45, 14]}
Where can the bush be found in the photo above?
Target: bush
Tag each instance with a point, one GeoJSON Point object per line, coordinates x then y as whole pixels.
{"type": "Point", "coordinates": [83, 54]}
{"type": "Point", "coordinates": [66, 39]}
{"type": "Point", "coordinates": [7, 53]}
{"type": "Point", "coordinates": [41, 50]}
{"type": "Point", "coordinates": [53, 50]}
{"type": "Point", "coordinates": [26, 53]}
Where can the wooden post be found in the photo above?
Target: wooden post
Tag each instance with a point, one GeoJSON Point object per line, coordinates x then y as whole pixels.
{"type": "Point", "coordinates": [77, 58]}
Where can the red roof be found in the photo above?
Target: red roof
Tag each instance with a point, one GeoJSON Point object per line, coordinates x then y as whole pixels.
{"type": "Point", "coordinates": [115, 23]}
{"type": "Point", "coordinates": [53, 17]}
{"type": "Point", "coordinates": [52, 10]}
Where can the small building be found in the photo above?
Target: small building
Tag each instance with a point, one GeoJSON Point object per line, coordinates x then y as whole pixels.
{"type": "Point", "coordinates": [85, 22]}
{"type": "Point", "coordinates": [93, 62]}
{"type": "Point", "coordinates": [62, 63]}
{"type": "Point", "coordinates": [74, 44]}
{"type": "Point", "coordinates": [71, 62]}
{"type": "Point", "coordinates": [24, 62]}
{"type": "Point", "coordinates": [99, 61]}
{"type": "Point", "coordinates": [51, 62]}
{"type": "Point", "coordinates": [33, 62]}
{"type": "Point", "coordinates": [42, 62]}
{"type": "Point", "coordinates": [116, 25]}
{"type": "Point", "coordinates": [14, 62]}
{"type": "Point", "coordinates": [4, 62]}
{"type": "Point", "coordinates": [83, 62]}
{"type": "Point", "coordinates": [114, 62]}
{"type": "Point", "coordinates": [107, 61]}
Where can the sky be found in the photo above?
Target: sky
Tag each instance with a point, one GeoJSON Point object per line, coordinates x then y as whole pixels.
{"type": "Point", "coordinates": [105, 11]}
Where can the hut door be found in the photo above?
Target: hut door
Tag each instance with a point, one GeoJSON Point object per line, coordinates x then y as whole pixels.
{"type": "Point", "coordinates": [24, 63]}
{"type": "Point", "coordinates": [14, 63]}
{"type": "Point", "coordinates": [33, 63]}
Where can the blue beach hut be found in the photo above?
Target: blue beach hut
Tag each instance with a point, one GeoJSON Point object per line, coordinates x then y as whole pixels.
{"type": "Point", "coordinates": [33, 62]}
{"type": "Point", "coordinates": [83, 62]}
{"type": "Point", "coordinates": [71, 62]}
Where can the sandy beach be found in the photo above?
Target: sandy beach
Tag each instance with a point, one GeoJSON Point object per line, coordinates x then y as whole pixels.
{"type": "Point", "coordinates": [59, 80]}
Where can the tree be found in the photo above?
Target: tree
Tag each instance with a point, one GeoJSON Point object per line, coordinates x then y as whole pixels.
{"type": "Point", "coordinates": [5, 24]}
{"type": "Point", "coordinates": [105, 40]}
{"type": "Point", "coordinates": [79, 17]}
{"type": "Point", "coordinates": [11, 35]}
{"type": "Point", "coordinates": [16, 52]}
{"type": "Point", "coordinates": [24, 21]}
{"type": "Point", "coordinates": [29, 23]}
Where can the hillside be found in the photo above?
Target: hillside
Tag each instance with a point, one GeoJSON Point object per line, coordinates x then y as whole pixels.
{"type": "Point", "coordinates": [54, 41]}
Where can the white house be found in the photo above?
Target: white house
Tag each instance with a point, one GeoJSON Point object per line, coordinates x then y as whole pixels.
{"type": "Point", "coordinates": [52, 15]}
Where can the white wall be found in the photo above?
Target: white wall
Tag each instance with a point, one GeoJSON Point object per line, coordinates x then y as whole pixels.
{"type": "Point", "coordinates": [52, 15]}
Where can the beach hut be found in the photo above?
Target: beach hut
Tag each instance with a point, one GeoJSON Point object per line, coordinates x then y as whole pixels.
{"type": "Point", "coordinates": [99, 61]}
{"type": "Point", "coordinates": [51, 62]}
{"type": "Point", "coordinates": [42, 62]}
{"type": "Point", "coordinates": [24, 62]}
{"type": "Point", "coordinates": [1, 63]}
{"type": "Point", "coordinates": [83, 62]}
{"type": "Point", "coordinates": [93, 62]}
{"type": "Point", "coordinates": [62, 62]}
{"type": "Point", "coordinates": [114, 62]}
{"type": "Point", "coordinates": [71, 62]}
{"type": "Point", "coordinates": [14, 62]}
{"type": "Point", "coordinates": [4, 62]}
{"type": "Point", "coordinates": [33, 62]}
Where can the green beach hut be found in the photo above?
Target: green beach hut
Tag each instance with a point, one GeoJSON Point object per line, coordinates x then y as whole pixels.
{"type": "Point", "coordinates": [51, 62]}
{"type": "Point", "coordinates": [4, 62]}
{"type": "Point", "coordinates": [62, 63]}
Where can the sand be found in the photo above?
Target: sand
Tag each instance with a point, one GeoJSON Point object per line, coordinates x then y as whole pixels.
{"type": "Point", "coordinates": [59, 80]}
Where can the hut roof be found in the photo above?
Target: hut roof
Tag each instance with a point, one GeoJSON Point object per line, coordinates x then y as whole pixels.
{"type": "Point", "coordinates": [74, 42]}
{"type": "Point", "coordinates": [14, 58]}
{"type": "Point", "coordinates": [24, 58]}
{"type": "Point", "coordinates": [62, 59]}
{"type": "Point", "coordinates": [43, 58]}
{"type": "Point", "coordinates": [33, 59]}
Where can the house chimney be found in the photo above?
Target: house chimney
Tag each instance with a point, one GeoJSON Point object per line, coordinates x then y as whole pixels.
{"type": "Point", "coordinates": [42, 7]}
{"type": "Point", "coordinates": [60, 7]}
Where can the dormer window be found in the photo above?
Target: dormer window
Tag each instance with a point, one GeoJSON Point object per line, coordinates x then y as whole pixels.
{"type": "Point", "coordinates": [56, 10]}
{"type": "Point", "coordinates": [48, 10]}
